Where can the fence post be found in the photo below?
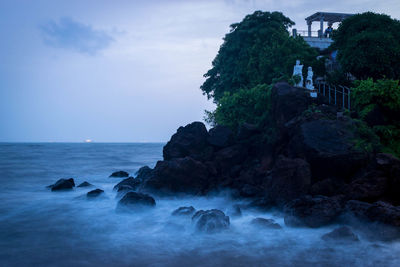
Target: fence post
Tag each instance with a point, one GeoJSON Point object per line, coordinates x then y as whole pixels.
{"type": "Point", "coordinates": [348, 98]}
{"type": "Point", "coordinates": [329, 89]}
{"type": "Point", "coordinates": [335, 93]}
{"type": "Point", "coordinates": [342, 97]}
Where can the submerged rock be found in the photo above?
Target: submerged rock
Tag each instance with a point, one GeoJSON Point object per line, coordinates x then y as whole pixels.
{"type": "Point", "coordinates": [84, 184]}
{"type": "Point", "coordinates": [94, 193]}
{"type": "Point", "coordinates": [63, 184]}
{"type": "Point", "coordinates": [184, 211]}
{"type": "Point", "coordinates": [134, 200]}
{"type": "Point", "coordinates": [343, 233]}
{"type": "Point", "coordinates": [119, 174]}
{"type": "Point", "coordinates": [266, 223]}
{"type": "Point", "coordinates": [130, 181]}
{"type": "Point", "coordinates": [210, 221]}
{"type": "Point", "coordinates": [312, 211]}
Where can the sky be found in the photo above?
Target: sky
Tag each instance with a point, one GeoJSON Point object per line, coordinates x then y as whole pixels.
{"type": "Point", "coordinates": [118, 70]}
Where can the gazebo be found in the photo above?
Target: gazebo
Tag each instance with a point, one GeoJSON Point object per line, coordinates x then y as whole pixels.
{"type": "Point", "coordinates": [325, 16]}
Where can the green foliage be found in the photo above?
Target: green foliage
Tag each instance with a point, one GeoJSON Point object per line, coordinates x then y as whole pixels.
{"type": "Point", "coordinates": [366, 139]}
{"type": "Point", "coordinates": [378, 104]}
{"type": "Point", "coordinates": [383, 93]}
{"type": "Point", "coordinates": [249, 106]}
{"type": "Point", "coordinates": [256, 51]}
{"type": "Point", "coordinates": [369, 46]}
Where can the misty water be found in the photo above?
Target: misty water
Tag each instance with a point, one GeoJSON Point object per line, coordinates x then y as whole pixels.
{"type": "Point", "coordinates": [43, 228]}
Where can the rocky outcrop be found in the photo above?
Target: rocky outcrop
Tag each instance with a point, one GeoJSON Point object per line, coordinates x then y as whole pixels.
{"type": "Point", "coordinates": [312, 211]}
{"type": "Point", "coordinates": [210, 221]}
{"type": "Point", "coordinates": [130, 181]}
{"type": "Point", "coordinates": [190, 140]}
{"type": "Point", "coordinates": [119, 174]}
{"type": "Point", "coordinates": [379, 212]}
{"type": "Point", "coordinates": [63, 184]}
{"type": "Point", "coordinates": [304, 159]}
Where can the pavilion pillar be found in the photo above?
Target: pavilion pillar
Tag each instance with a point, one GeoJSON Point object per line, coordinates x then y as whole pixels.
{"type": "Point", "coordinates": [321, 32]}
{"type": "Point", "coordinates": [309, 28]}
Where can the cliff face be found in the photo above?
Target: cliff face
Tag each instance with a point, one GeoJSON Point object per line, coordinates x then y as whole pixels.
{"type": "Point", "coordinates": [305, 160]}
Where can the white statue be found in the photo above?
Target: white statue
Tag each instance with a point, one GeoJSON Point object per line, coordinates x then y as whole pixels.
{"type": "Point", "coordinates": [298, 70]}
{"type": "Point", "coordinates": [309, 81]}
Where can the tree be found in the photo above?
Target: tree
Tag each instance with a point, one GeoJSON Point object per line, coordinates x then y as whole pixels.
{"type": "Point", "coordinates": [256, 51]}
{"type": "Point", "coordinates": [369, 46]}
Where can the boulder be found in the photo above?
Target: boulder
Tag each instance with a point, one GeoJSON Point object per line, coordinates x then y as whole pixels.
{"type": "Point", "coordinates": [181, 175]}
{"type": "Point", "coordinates": [85, 184]}
{"type": "Point", "coordinates": [184, 211]}
{"type": "Point", "coordinates": [378, 212]}
{"type": "Point", "coordinates": [369, 187]}
{"type": "Point", "coordinates": [328, 146]}
{"type": "Point", "coordinates": [247, 130]}
{"type": "Point", "coordinates": [220, 136]}
{"type": "Point", "coordinates": [312, 211]}
{"type": "Point", "coordinates": [288, 102]}
{"type": "Point", "coordinates": [190, 140]}
{"type": "Point", "coordinates": [325, 187]}
{"type": "Point", "coordinates": [289, 179]}
{"type": "Point", "coordinates": [210, 221]}
{"type": "Point", "coordinates": [342, 233]}
{"type": "Point", "coordinates": [265, 223]}
{"type": "Point", "coordinates": [119, 174]}
{"type": "Point", "coordinates": [134, 200]}
{"type": "Point", "coordinates": [94, 193]}
{"type": "Point", "coordinates": [63, 184]}
{"type": "Point", "coordinates": [130, 181]}
{"type": "Point", "coordinates": [390, 165]}
{"type": "Point", "coordinates": [230, 156]}
{"type": "Point", "coordinates": [143, 173]}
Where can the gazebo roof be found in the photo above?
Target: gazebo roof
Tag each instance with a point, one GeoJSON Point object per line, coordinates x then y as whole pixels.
{"type": "Point", "coordinates": [327, 16]}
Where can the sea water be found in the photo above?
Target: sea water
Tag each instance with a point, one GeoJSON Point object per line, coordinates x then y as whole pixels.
{"type": "Point", "coordinates": [43, 228]}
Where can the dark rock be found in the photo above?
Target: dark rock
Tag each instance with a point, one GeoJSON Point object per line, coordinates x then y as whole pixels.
{"type": "Point", "coordinates": [247, 130]}
{"type": "Point", "coordinates": [220, 136]}
{"type": "Point", "coordinates": [210, 221]}
{"type": "Point", "coordinates": [95, 193]}
{"type": "Point", "coordinates": [125, 188]}
{"type": "Point", "coordinates": [328, 146]}
{"type": "Point", "coordinates": [143, 173]}
{"type": "Point", "coordinates": [134, 200]}
{"type": "Point", "coordinates": [119, 174]}
{"type": "Point", "coordinates": [182, 175]}
{"type": "Point", "coordinates": [290, 179]}
{"type": "Point", "coordinates": [370, 187]}
{"type": "Point", "coordinates": [130, 181]}
{"type": "Point", "coordinates": [390, 165]}
{"type": "Point", "coordinates": [343, 233]}
{"type": "Point", "coordinates": [266, 223]}
{"type": "Point", "coordinates": [84, 184]}
{"type": "Point", "coordinates": [62, 184]}
{"type": "Point", "coordinates": [183, 211]}
{"type": "Point", "coordinates": [262, 203]}
{"type": "Point", "coordinates": [325, 187]}
{"type": "Point", "coordinates": [190, 140]}
{"type": "Point", "coordinates": [379, 212]}
{"type": "Point", "coordinates": [230, 156]}
{"type": "Point", "coordinates": [312, 211]}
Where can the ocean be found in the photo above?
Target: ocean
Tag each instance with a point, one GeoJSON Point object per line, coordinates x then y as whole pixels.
{"type": "Point", "coordinates": [43, 228]}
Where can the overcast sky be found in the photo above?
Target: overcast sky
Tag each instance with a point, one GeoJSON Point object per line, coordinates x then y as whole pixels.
{"type": "Point", "coordinates": [120, 71]}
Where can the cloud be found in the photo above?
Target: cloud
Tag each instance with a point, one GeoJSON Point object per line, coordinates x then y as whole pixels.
{"type": "Point", "coordinates": [76, 36]}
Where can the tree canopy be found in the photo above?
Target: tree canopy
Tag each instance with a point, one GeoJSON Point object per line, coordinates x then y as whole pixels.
{"type": "Point", "coordinates": [256, 51]}
{"type": "Point", "coordinates": [369, 46]}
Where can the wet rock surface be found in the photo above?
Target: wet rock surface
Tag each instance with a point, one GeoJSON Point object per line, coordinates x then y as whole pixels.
{"type": "Point", "coordinates": [95, 193]}
{"type": "Point", "coordinates": [265, 223]}
{"type": "Point", "coordinates": [134, 200]}
{"type": "Point", "coordinates": [63, 184]}
{"type": "Point", "coordinates": [85, 184]}
{"type": "Point", "coordinates": [119, 174]}
{"type": "Point", "coordinates": [184, 211]}
{"type": "Point", "coordinates": [343, 233]}
{"type": "Point", "coordinates": [210, 221]}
